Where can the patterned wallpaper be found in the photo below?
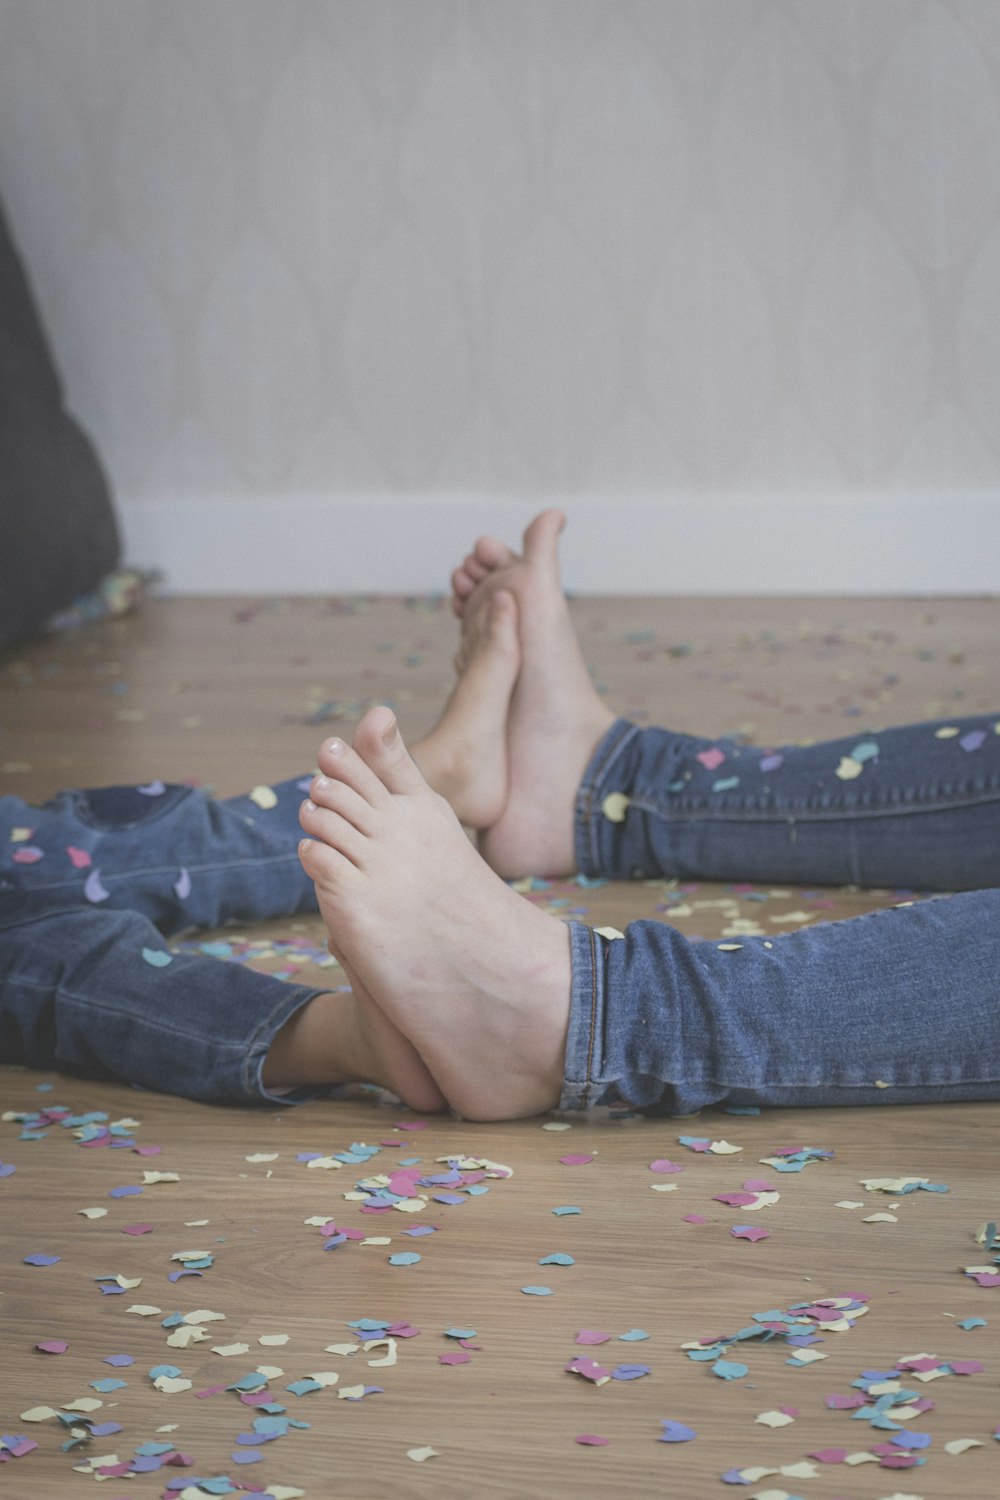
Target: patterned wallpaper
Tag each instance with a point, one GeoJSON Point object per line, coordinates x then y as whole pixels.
{"type": "Point", "coordinates": [520, 248]}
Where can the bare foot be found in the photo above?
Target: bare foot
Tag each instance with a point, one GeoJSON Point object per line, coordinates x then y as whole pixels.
{"type": "Point", "coordinates": [465, 755]}
{"type": "Point", "coordinates": [556, 714]}
{"type": "Point", "coordinates": [347, 1039]}
{"type": "Point", "coordinates": [476, 978]}
{"type": "Point", "coordinates": [486, 556]}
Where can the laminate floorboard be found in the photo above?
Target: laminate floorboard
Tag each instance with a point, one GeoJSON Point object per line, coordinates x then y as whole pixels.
{"type": "Point", "coordinates": [230, 693]}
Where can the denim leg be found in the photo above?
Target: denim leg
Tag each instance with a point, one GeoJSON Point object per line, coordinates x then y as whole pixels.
{"type": "Point", "coordinates": [916, 806]}
{"type": "Point", "coordinates": [96, 992]}
{"type": "Point", "coordinates": [897, 1006]}
{"type": "Point", "coordinates": [179, 857]}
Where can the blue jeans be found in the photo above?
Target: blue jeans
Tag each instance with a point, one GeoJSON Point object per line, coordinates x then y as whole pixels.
{"type": "Point", "coordinates": [92, 883]}
{"type": "Point", "coordinates": [895, 1006]}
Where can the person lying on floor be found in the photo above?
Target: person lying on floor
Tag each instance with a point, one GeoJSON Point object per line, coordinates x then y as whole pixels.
{"type": "Point", "coordinates": [465, 996]}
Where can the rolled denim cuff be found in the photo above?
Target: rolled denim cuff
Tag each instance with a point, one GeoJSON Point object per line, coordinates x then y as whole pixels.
{"type": "Point", "coordinates": [610, 770]}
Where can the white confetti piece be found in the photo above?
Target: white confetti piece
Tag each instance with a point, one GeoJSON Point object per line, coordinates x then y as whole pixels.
{"type": "Point", "coordinates": [172, 1385]}
{"type": "Point", "coordinates": [264, 797]}
{"type": "Point", "coordinates": [880, 1219]}
{"type": "Point", "coordinates": [848, 1203]}
{"type": "Point", "coordinates": [93, 1213]}
{"type": "Point", "coordinates": [962, 1445]}
{"type": "Point", "coordinates": [420, 1454]}
{"type": "Point", "coordinates": [227, 1351]}
{"type": "Point", "coordinates": [774, 1418]}
{"type": "Point", "coordinates": [273, 1340]}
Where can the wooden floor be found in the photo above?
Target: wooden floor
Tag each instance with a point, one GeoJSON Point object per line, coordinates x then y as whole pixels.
{"type": "Point", "coordinates": [232, 693]}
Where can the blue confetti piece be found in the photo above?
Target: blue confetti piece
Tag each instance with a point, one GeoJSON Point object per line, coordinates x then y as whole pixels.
{"type": "Point", "coordinates": [566, 1209]}
{"type": "Point", "coordinates": [968, 1323]}
{"type": "Point", "coordinates": [107, 1385]}
{"type": "Point", "coordinates": [730, 1369]}
{"type": "Point", "coordinates": [726, 784]}
{"type": "Point", "coordinates": [634, 1335]}
{"type": "Point", "coordinates": [537, 1291]}
{"type": "Point", "coordinates": [157, 958]}
{"type": "Point", "coordinates": [460, 1333]}
{"type": "Point", "coordinates": [557, 1259]}
{"type": "Point", "coordinates": [405, 1258]}
{"type": "Point", "coordinates": [866, 750]}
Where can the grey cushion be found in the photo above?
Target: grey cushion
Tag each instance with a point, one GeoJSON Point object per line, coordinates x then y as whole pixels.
{"type": "Point", "coordinates": [58, 536]}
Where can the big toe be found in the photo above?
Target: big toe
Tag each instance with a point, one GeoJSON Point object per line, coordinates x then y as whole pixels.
{"type": "Point", "coordinates": [541, 539]}
{"type": "Point", "coordinates": [379, 743]}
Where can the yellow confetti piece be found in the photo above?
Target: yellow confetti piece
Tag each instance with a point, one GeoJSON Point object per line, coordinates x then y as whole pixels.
{"type": "Point", "coordinates": [38, 1414]}
{"type": "Point", "coordinates": [83, 1403]}
{"type": "Point", "coordinates": [172, 1385]}
{"type": "Point", "coordinates": [377, 1239]}
{"type": "Point", "coordinates": [849, 768]}
{"type": "Point", "coordinates": [723, 1148]}
{"type": "Point", "coordinates": [420, 1454]}
{"type": "Point", "coordinates": [613, 807]}
{"type": "Point", "coordinates": [144, 1310]}
{"type": "Point", "coordinates": [801, 1470]}
{"type": "Point", "coordinates": [325, 1163]}
{"type": "Point", "coordinates": [273, 1340]}
{"type": "Point", "coordinates": [410, 1205]}
{"type": "Point", "coordinates": [890, 1184]}
{"type": "Point", "coordinates": [947, 733]}
{"type": "Point", "coordinates": [228, 1351]}
{"type": "Point", "coordinates": [259, 1156]}
{"type": "Point", "coordinates": [195, 1223]}
{"type": "Point", "coordinates": [557, 1125]}
{"type": "Point", "coordinates": [808, 1356]}
{"type": "Point", "coordinates": [350, 1392]}
{"type": "Point", "coordinates": [184, 1337]}
{"type": "Point", "coordinates": [264, 797]}
{"type": "Point", "coordinates": [325, 1378]}
{"type": "Point", "coordinates": [663, 1187]}
{"type": "Point", "coordinates": [390, 1356]}
{"type": "Point", "coordinates": [149, 1178]}
{"type": "Point", "coordinates": [93, 1213]}
{"type": "Point", "coordinates": [190, 1254]}
{"type": "Point", "coordinates": [20, 835]}
{"type": "Point", "coordinates": [880, 1083]}
{"type": "Point", "coordinates": [962, 1445]}
{"type": "Point", "coordinates": [848, 1203]}
{"type": "Point", "coordinates": [342, 1348]}
{"type": "Point", "coordinates": [204, 1315]}
{"type": "Point", "coordinates": [729, 947]}
{"type": "Point", "coordinates": [880, 1219]}
{"type": "Point", "coordinates": [611, 933]}
{"type": "Point", "coordinates": [270, 1372]}
{"type": "Point", "coordinates": [774, 1418]}
{"type": "Point", "coordinates": [863, 1458]}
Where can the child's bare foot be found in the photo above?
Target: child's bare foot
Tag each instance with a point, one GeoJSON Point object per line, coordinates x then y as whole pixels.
{"type": "Point", "coordinates": [477, 978]}
{"type": "Point", "coordinates": [347, 1039]}
{"type": "Point", "coordinates": [556, 715]}
{"type": "Point", "coordinates": [465, 755]}
{"type": "Point", "coordinates": [486, 556]}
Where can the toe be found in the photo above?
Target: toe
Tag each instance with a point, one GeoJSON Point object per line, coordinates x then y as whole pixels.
{"type": "Point", "coordinates": [491, 553]}
{"type": "Point", "coordinates": [333, 830]}
{"type": "Point", "coordinates": [380, 745]}
{"type": "Point", "coordinates": [341, 763]}
{"type": "Point", "coordinates": [541, 538]}
{"type": "Point", "coordinates": [474, 568]}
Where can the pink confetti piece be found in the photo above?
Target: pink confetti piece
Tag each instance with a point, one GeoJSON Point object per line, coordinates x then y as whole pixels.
{"type": "Point", "coordinates": [588, 1368]}
{"type": "Point", "coordinates": [662, 1164]}
{"type": "Point", "coordinates": [456, 1357]}
{"type": "Point", "coordinates": [79, 858]}
{"type": "Point", "coordinates": [592, 1336]}
{"type": "Point", "coordinates": [577, 1159]}
{"type": "Point", "coordinates": [985, 1278]}
{"type": "Point", "coordinates": [758, 1185]}
{"type": "Point", "coordinates": [695, 1219]}
{"type": "Point", "coordinates": [411, 1124]}
{"type": "Point", "coordinates": [137, 1228]}
{"type": "Point", "coordinates": [27, 855]}
{"type": "Point", "coordinates": [53, 1346]}
{"type": "Point", "coordinates": [751, 1232]}
{"type": "Point", "coordinates": [710, 759]}
{"type": "Point", "coordinates": [147, 1150]}
{"type": "Point", "coordinates": [829, 1455]}
{"type": "Point", "coordinates": [735, 1200]}
{"type": "Point", "coordinates": [591, 1440]}
{"type": "Point", "coordinates": [965, 1366]}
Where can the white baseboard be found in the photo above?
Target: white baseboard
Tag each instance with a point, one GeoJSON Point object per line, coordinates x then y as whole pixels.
{"type": "Point", "coordinates": [626, 544]}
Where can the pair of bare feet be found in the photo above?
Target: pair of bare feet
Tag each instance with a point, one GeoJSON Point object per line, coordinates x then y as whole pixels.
{"type": "Point", "coordinates": [460, 989]}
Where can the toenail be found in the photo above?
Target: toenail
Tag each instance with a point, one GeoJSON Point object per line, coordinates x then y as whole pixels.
{"type": "Point", "coordinates": [305, 844]}
{"type": "Point", "coordinates": [389, 736]}
{"type": "Point", "coordinates": [320, 783]}
{"type": "Point", "coordinates": [308, 807]}
{"type": "Point", "coordinates": [335, 747]}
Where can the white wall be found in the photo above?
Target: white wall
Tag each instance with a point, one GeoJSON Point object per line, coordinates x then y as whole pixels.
{"type": "Point", "coordinates": [335, 284]}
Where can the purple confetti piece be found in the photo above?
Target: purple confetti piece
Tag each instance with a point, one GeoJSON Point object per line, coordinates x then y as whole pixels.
{"type": "Point", "coordinates": [93, 889]}
{"type": "Point", "coordinates": [52, 1346]}
{"type": "Point", "coordinates": [118, 1360]}
{"type": "Point", "coordinates": [973, 739]}
{"type": "Point", "coordinates": [7, 1169]}
{"type": "Point", "coordinates": [630, 1372]}
{"type": "Point", "coordinates": [676, 1432]}
{"type": "Point", "coordinates": [182, 886]}
{"type": "Point", "coordinates": [41, 1260]}
{"type": "Point", "coordinates": [125, 1192]}
{"type": "Point", "coordinates": [247, 1456]}
{"type": "Point", "coordinates": [771, 762]}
